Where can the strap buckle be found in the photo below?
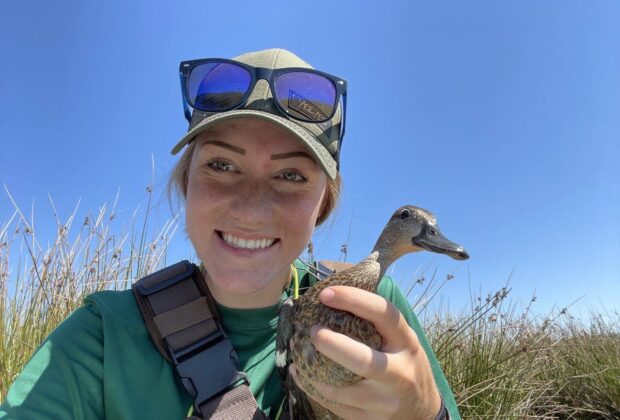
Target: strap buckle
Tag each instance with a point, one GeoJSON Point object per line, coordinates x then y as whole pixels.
{"type": "Point", "coordinates": [191, 361]}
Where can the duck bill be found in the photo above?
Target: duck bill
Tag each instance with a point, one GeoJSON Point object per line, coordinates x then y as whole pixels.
{"type": "Point", "coordinates": [441, 245]}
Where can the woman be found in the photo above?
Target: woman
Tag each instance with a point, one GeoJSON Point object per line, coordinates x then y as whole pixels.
{"type": "Point", "coordinates": [259, 172]}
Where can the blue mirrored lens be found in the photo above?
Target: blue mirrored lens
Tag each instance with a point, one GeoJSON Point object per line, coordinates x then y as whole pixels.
{"type": "Point", "coordinates": [306, 96]}
{"type": "Point", "coordinates": [215, 87]}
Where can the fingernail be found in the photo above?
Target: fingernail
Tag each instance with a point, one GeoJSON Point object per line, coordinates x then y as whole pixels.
{"type": "Point", "coordinates": [314, 330]}
{"type": "Point", "coordinates": [327, 294]}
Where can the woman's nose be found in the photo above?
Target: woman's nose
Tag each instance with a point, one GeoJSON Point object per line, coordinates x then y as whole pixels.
{"type": "Point", "coordinates": [252, 203]}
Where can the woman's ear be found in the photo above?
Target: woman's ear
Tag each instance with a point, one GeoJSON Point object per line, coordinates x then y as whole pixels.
{"type": "Point", "coordinates": [323, 207]}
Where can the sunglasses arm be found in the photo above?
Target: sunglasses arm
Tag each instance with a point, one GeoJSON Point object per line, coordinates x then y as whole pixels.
{"type": "Point", "coordinates": [344, 116]}
{"type": "Point", "coordinates": [186, 110]}
{"type": "Point", "coordinates": [344, 122]}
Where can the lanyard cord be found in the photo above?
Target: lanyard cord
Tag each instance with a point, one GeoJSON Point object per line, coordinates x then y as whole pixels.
{"type": "Point", "coordinates": [295, 282]}
{"type": "Point", "coordinates": [281, 409]}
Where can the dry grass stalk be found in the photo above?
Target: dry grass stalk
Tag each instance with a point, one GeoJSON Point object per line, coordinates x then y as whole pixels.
{"type": "Point", "coordinates": [501, 360]}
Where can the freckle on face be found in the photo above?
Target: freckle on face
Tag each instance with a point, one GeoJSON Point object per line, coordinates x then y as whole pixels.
{"type": "Point", "coordinates": [251, 202]}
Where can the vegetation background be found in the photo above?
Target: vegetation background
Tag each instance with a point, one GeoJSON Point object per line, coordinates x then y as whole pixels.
{"type": "Point", "coordinates": [501, 359]}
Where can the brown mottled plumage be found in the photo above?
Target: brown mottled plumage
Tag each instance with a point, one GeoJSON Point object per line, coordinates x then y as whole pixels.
{"type": "Point", "coordinates": [410, 229]}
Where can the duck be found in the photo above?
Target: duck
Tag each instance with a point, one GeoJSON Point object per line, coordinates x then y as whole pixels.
{"type": "Point", "coordinates": [409, 229]}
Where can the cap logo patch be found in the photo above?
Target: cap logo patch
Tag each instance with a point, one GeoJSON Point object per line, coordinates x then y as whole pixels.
{"type": "Point", "coordinates": [304, 106]}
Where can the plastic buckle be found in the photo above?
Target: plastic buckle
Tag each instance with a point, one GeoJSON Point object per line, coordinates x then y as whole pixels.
{"type": "Point", "coordinates": [208, 367]}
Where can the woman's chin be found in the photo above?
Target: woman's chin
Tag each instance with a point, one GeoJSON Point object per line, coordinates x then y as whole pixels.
{"type": "Point", "coordinates": [247, 291]}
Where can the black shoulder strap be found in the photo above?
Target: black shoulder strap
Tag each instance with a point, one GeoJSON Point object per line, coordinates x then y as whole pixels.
{"type": "Point", "coordinates": [182, 320]}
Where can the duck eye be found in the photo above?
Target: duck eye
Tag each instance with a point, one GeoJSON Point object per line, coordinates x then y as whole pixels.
{"type": "Point", "coordinates": [432, 232]}
{"type": "Point", "coordinates": [404, 214]}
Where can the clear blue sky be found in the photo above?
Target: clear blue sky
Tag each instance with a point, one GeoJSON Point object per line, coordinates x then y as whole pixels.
{"type": "Point", "coordinates": [503, 118]}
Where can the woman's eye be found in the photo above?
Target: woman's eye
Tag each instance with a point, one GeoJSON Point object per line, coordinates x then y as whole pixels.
{"type": "Point", "coordinates": [219, 165]}
{"type": "Point", "coordinates": [293, 176]}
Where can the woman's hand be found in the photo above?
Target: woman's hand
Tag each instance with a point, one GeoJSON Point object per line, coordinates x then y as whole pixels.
{"type": "Point", "coordinates": [398, 382]}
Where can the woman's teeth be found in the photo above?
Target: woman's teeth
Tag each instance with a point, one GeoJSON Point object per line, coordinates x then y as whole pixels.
{"type": "Point", "coordinates": [246, 243]}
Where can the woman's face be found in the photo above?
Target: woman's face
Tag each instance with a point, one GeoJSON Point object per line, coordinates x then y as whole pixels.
{"type": "Point", "coordinates": [253, 197]}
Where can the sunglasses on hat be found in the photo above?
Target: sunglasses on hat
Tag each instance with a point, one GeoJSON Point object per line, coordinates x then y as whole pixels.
{"type": "Point", "coordinates": [303, 94]}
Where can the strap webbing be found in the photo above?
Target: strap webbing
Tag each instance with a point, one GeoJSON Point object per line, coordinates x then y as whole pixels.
{"type": "Point", "coordinates": [181, 318]}
{"type": "Point", "coordinates": [232, 405]}
{"type": "Point", "coordinates": [184, 317]}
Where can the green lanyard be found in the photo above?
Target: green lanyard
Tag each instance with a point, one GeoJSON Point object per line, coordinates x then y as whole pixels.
{"type": "Point", "coordinates": [281, 409]}
{"type": "Point", "coordinates": [295, 282]}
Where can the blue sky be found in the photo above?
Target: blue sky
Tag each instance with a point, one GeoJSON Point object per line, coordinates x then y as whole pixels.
{"type": "Point", "coordinates": [502, 118]}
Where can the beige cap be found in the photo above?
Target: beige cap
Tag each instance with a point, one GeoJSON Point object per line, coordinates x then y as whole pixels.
{"type": "Point", "coordinates": [321, 139]}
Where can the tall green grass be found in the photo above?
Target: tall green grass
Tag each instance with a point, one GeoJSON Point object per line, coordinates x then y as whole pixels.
{"type": "Point", "coordinates": [501, 360]}
{"type": "Point", "coordinates": [40, 285]}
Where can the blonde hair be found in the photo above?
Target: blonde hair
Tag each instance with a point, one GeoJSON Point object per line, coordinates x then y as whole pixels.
{"type": "Point", "coordinates": [180, 173]}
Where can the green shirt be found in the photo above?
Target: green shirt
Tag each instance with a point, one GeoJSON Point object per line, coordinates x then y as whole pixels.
{"type": "Point", "coordinates": [100, 363]}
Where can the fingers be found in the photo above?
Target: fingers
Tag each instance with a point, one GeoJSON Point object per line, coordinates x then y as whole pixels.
{"type": "Point", "coordinates": [342, 411]}
{"type": "Point", "coordinates": [397, 337]}
{"type": "Point", "coordinates": [371, 399]}
{"type": "Point", "coordinates": [398, 377]}
{"type": "Point", "coordinates": [365, 393]}
{"type": "Point", "coordinates": [345, 402]}
{"type": "Point", "coordinates": [351, 354]}
{"type": "Point", "coordinates": [388, 321]}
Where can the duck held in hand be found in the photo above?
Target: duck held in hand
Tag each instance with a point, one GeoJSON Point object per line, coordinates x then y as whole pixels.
{"type": "Point", "coordinates": [410, 229]}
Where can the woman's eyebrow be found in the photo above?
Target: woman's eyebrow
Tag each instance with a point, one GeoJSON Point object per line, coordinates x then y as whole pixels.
{"type": "Point", "coordinates": [225, 146]}
{"type": "Point", "coordinates": [242, 151]}
{"type": "Point", "coordinates": [291, 155]}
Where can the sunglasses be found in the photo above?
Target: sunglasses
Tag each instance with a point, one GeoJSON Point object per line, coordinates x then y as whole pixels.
{"type": "Point", "coordinates": [218, 85]}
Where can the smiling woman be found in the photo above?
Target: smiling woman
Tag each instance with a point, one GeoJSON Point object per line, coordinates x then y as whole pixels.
{"type": "Point", "coordinates": [259, 171]}
{"type": "Point", "coordinates": [251, 182]}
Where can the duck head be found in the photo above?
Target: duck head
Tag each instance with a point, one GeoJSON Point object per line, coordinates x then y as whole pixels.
{"type": "Point", "coordinates": [413, 229]}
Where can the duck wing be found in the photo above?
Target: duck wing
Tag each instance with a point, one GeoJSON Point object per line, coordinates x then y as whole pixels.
{"type": "Point", "coordinates": [286, 316]}
{"type": "Point", "coordinates": [298, 404]}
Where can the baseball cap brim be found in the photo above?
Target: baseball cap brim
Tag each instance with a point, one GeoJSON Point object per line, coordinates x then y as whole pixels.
{"type": "Point", "coordinates": [318, 150]}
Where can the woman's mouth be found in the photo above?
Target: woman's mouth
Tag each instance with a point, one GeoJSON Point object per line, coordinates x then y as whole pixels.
{"type": "Point", "coordinates": [241, 243]}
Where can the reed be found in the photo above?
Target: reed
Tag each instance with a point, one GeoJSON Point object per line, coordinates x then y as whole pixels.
{"type": "Point", "coordinates": [41, 285]}
{"type": "Point", "coordinates": [501, 359]}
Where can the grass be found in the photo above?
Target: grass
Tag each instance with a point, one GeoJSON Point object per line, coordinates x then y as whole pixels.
{"type": "Point", "coordinates": [501, 360]}
{"type": "Point", "coordinates": [40, 286]}
{"type": "Point", "coordinates": [504, 362]}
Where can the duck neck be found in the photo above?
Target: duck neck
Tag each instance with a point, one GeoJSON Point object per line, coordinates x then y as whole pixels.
{"type": "Point", "coordinates": [384, 254]}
